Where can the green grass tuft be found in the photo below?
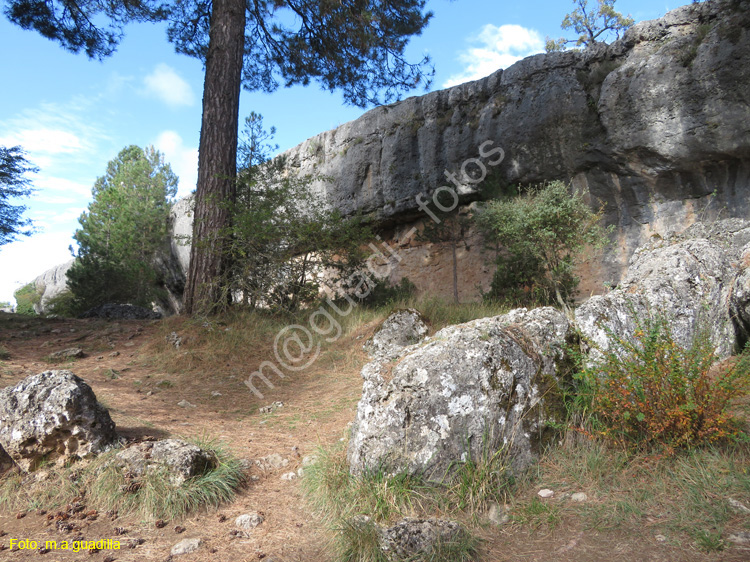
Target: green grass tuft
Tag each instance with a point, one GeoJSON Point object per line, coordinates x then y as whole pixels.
{"type": "Point", "coordinates": [156, 497]}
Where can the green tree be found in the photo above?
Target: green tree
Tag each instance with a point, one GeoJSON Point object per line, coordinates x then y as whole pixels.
{"type": "Point", "coordinates": [540, 234]}
{"type": "Point", "coordinates": [26, 297]}
{"type": "Point", "coordinates": [14, 184]}
{"type": "Point", "coordinates": [125, 226]}
{"type": "Point", "coordinates": [354, 45]}
{"type": "Point", "coordinates": [590, 24]}
{"type": "Point", "coordinates": [284, 240]}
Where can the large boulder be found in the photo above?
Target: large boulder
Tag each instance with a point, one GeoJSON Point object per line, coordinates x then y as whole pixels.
{"type": "Point", "coordinates": [52, 416]}
{"type": "Point", "coordinates": [469, 389]}
{"type": "Point", "coordinates": [692, 278]}
{"type": "Point", "coordinates": [51, 284]}
{"type": "Point", "coordinates": [177, 459]}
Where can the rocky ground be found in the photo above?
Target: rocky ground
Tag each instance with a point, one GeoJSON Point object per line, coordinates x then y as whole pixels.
{"type": "Point", "coordinates": [122, 364]}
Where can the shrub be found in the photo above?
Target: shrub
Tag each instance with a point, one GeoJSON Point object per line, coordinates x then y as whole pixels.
{"type": "Point", "coordinates": [26, 297]}
{"type": "Point", "coordinates": [63, 305]}
{"type": "Point", "coordinates": [650, 391]}
{"type": "Point", "coordinates": [540, 234]}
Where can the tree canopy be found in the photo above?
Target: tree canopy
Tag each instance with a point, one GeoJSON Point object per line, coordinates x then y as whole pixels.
{"type": "Point", "coordinates": [14, 183]}
{"type": "Point", "coordinates": [591, 24]}
{"type": "Point", "coordinates": [356, 46]}
{"type": "Point", "coordinates": [124, 227]}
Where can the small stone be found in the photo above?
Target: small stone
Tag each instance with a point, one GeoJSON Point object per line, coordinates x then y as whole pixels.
{"type": "Point", "coordinates": [185, 404]}
{"type": "Point", "coordinates": [579, 497]}
{"type": "Point", "coordinates": [738, 506]}
{"type": "Point", "coordinates": [70, 353]}
{"type": "Point", "coordinates": [186, 547]}
{"type": "Point", "coordinates": [271, 408]}
{"type": "Point", "coordinates": [740, 538]}
{"type": "Point", "coordinates": [215, 394]}
{"type": "Point", "coordinates": [546, 493]}
{"type": "Point", "coordinates": [272, 462]}
{"type": "Point", "coordinates": [249, 521]}
{"type": "Point", "coordinates": [498, 514]}
{"type": "Point", "coordinates": [289, 476]}
{"type": "Point", "coordinates": [174, 339]}
{"type": "Point", "coordinates": [308, 460]}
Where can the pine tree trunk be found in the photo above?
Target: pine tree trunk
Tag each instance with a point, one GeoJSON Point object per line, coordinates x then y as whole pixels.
{"type": "Point", "coordinates": [217, 156]}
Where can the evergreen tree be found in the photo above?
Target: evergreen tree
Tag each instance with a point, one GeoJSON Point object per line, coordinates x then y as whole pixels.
{"type": "Point", "coordinates": [125, 226]}
{"type": "Point", "coordinates": [354, 45]}
{"type": "Point", "coordinates": [591, 24]}
{"type": "Point", "coordinates": [13, 184]}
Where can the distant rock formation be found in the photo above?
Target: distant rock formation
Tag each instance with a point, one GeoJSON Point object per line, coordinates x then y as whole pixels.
{"type": "Point", "coordinates": [654, 126]}
{"type": "Point", "coordinates": [50, 284]}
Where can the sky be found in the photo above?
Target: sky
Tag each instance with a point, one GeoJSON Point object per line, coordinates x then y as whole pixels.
{"type": "Point", "coordinates": [72, 115]}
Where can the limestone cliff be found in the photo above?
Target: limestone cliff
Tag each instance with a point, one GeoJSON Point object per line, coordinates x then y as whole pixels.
{"type": "Point", "coordinates": [656, 126]}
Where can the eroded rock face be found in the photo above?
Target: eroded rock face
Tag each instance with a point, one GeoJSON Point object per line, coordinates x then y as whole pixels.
{"type": "Point", "coordinates": [469, 388]}
{"type": "Point", "coordinates": [50, 284]}
{"type": "Point", "coordinates": [52, 416]}
{"type": "Point", "coordinates": [402, 328]}
{"type": "Point", "coordinates": [740, 300]}
{"type": "Point", "coordinates": [179, 459]}
{"type": "Point", "coordinates": [691, 278]}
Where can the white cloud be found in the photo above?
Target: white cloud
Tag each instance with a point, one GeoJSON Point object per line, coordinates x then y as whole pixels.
{"type": "Point", "coordinates": [184, 160]}
{"type": "Point", "coordinates": [165, 84]}
{"type": "Point", "coordinates": [500, 47]}
{"type": "Point", "coordinates": [61, 185]}
{"type": "Point", "coordinates": [44, 141]}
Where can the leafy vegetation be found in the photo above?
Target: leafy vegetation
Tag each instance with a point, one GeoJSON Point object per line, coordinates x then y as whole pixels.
{"type": "Point", "coordinates": [344, 498]}
{"type": "Point", "coordinates": [13, 185]}
{"type": "Point", "coordinates": [106, 488]}
{"type": "Point", "coordinates": [125, 227]}
{"type": "Point", "coordinates": [650, 391]}
{"type": "Point", "coordinates": [540, 234]}
{"type": "Point", "coordinates": [26, 297]}
{"type": "Point", "coordinates": [284, 240]}
{"type": "Point", "coordinates": [590, 24]}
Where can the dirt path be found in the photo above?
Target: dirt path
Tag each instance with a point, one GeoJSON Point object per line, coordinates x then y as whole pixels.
{"type": "Point", "coordinates": [143, 401]}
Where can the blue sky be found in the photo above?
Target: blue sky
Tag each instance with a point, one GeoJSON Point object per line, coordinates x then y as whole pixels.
{"type": "Point", "coordinates": [73, 115]}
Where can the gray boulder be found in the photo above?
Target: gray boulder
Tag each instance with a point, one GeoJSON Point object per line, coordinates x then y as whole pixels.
{"type": "Point", "coordinates": [179, 459]}
{"type": "Point", "coordinates": [186, 546]}
{"type": "Point", "coordinates": [52, 416]}
{"type": "Point", "coordinates": [691, 278]}
{"type": "Point", "coordinates": [402, 328]}
{"type": "Point", "coordinates": [468, 389]}
{"type": "Point", "coordinates": [411, 537]}
{"type": "Point", "coordinates": [70, 353]}
{"type": "Point", "coordinates": [50, 284]}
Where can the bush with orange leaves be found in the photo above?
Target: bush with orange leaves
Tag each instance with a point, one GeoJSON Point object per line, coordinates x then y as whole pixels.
{"type": "Point", "coordinates": [650, 392]}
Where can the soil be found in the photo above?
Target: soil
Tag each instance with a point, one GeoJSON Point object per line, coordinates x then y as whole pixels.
{"type": "Point", "coordinates": [317, 406]}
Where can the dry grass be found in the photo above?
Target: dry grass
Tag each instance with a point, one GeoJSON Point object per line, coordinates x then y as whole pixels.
{"type": "Point", "coordinates": [684, 497]}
